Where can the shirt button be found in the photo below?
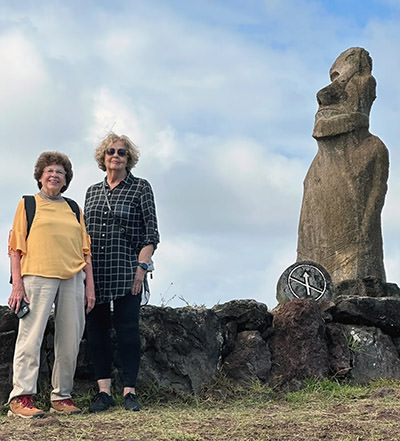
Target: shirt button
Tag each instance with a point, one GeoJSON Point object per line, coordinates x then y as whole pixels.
{"type": "Point", "coordinates": [122, 230]}
{"type": "Point", "coordinates": [105, 212]}
{"type": "Point", "coordinates": [102, 248]}
{"type": "Point", "coordinates": [103, 235]}
{"type": "Point", "coordinates": [104, 224]}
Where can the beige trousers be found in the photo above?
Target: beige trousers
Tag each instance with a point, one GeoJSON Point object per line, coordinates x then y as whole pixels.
{"type": "Point", "coordinates": [68, 297]}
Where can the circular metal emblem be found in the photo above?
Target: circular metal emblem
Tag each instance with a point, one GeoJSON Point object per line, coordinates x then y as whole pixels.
{"type": "Point", "coordinates": [307, 281]}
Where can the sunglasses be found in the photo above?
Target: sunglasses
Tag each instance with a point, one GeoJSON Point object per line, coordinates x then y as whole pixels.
{"type": "Point", "coordinates": [120, 152]}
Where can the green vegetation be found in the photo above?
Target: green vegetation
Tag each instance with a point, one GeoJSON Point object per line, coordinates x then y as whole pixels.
{"type": "Point", "coordinates": [328, 391]}
{"type": "Point", "coordinates": [322, 410]}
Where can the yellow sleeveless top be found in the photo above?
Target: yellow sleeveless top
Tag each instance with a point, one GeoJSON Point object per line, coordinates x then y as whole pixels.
{"type": "Point", "coordinates": [56, 243]}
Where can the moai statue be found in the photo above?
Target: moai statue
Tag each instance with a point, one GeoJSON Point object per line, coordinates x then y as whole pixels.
{"type": "Point", "coordinates": [345, 187]}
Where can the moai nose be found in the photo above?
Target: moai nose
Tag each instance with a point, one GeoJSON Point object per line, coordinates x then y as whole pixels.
{"type": "Point", "coordinates": [332, 94]}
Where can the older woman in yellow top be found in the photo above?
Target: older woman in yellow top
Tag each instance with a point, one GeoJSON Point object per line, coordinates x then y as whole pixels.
{"type": "Point", "coordinates": [49, 265]}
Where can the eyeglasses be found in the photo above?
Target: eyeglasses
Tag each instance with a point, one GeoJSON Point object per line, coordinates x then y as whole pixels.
{"type": "Point", "coordinates": [57, 172]}
{"type": "Point", "coordinates": [120, 152]}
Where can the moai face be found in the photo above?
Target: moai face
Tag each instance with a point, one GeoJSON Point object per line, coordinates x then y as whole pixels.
{"type": "Point", "coordinates": [344, 105]}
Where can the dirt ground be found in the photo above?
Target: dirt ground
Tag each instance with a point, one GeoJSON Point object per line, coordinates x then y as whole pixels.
{"type": "Point", "coordinates": [370, 418]}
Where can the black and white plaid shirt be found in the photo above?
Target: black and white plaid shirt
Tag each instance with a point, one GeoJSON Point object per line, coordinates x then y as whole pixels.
{"type": "Point", "coordinates": [118, 236]}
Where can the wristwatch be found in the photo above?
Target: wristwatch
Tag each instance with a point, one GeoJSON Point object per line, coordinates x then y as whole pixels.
{"type": "Point", "coordinates": [143, 265]}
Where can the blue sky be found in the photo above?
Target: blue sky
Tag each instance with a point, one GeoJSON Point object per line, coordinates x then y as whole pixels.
{"type": "Point", "coordinates": [220, 98]}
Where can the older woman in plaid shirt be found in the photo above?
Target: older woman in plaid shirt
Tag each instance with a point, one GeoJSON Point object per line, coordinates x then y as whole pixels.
{"type": "Point", "coordinates": [121, 220]}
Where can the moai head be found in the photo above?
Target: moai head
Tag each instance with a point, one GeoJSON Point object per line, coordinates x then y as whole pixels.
{"type": "Point", "coordinates": [344, 105]}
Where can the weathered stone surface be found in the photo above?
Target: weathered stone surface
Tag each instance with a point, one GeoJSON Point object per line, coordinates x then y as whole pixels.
{"type": "Point", "coordinates": [380, 312]}
{"type": "Point", "coordinates": [84, 368]}
{"type": "Point", "coordinates": [298, 345]}
{"type": "Point", "coordinates": [326, 306]}
{"type": "Point", "coordinates": [338, 349]}
{"type": "Point", "coordinates": [250, 359]}
{"type": "Point", "coordinates": [242, 315]}
{"type": "Point", "coordinates": [392, 290]}
{"type": "Point", "coordinates": [374, 354]}
{"type": "Point", "coordinates": [366, 287]}
{"type": "Point", "coordinates": [7, 343]}
{"type": "Point", "coordinates": [304, 280]}
{"type": "Point", "coordinates": [181, 347]}
{"type": "Point", "coordinates": [46, 356]}
{"type": "Point", "coordinates": [249, 315]}
{"type": "Point", "coordinates": [8, 320]}
{"type": "Point", "coordinates": [184, 348]}
{"type": "Point", "coordinates": [345, 187]}
{"type": "Point", "coordinates": [5, 381]}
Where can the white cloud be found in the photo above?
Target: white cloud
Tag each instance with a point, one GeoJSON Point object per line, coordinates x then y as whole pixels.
{"type": "Point", "coordinates": [23, 76]}
{"type": "Point", "coordinates": [113, 114]}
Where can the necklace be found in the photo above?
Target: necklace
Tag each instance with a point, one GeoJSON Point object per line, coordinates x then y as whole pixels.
{"type": "Point", "coordinates": [49, 197]}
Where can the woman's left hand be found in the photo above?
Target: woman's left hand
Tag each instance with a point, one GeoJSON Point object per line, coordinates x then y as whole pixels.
{"type": "Point", "coordinates": [138, 281]}
{"type": "Point", "coordinates": [144, 256]}
{"type": "Point", "coordinates": [90, 298]}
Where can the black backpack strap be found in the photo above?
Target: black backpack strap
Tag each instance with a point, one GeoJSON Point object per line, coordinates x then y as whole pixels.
{"type": "Point", "coordinates": [74, 207]}
{"type": "Point", "coordinates": [30, 210]}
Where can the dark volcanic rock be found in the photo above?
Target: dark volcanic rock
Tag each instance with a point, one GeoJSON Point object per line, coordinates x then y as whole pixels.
{"type": "Point", "coordinates": [184, 348]}
{"type": "Point", "coordinates": [298, 345]}
{"type": "Point", "coordinates": [383, 313]}
{"type": "Point", "coordinates": [8, 320]}
{"type": "Point", "coordinates": [242, 315]}
{"type": "Point", "coordinates": [181, 347]}
{"type": "Point", "coordinates": [7, 343]}
{"type": "Point", "coordinates": [249, 360]}
{"type": "Point", "coordinates": [339, 351]}
{"type": "Point", "coordinates": [249, 315]}
{"type": "Point", "coordinates": [366, 287]}
{"type": "Point", "coordinates": [374, 354]}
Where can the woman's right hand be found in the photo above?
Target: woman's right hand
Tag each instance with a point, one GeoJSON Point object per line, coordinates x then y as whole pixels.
{"type": "Point", "coordinates": [17, 295]}
{"type": "Point", "coordinates": [18, 291]}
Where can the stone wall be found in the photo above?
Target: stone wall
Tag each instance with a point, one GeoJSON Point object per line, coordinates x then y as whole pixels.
{"type": "Point", "coordinates": [354, 338]}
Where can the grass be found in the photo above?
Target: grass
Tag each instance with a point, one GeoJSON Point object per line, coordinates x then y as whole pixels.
{"type": "Point", "coordinates": [328, 391]}
{"type": "Point", "coordinates": [323, 410]}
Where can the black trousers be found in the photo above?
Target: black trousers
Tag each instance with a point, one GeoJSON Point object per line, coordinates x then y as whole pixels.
{"type": "Point", "coordinates": [125, 320]}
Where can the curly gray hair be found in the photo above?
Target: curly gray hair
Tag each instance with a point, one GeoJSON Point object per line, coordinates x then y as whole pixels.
{"type": "Point", "coordinates": [50, 158]}
{"type": "Point", "coordinates": [108, 141]}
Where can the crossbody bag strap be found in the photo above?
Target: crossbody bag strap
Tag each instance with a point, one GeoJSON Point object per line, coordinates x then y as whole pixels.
{"type": "Point", "coordinates": [114, 216]}
{"type": "Point", "coordinates": [108, 202]}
